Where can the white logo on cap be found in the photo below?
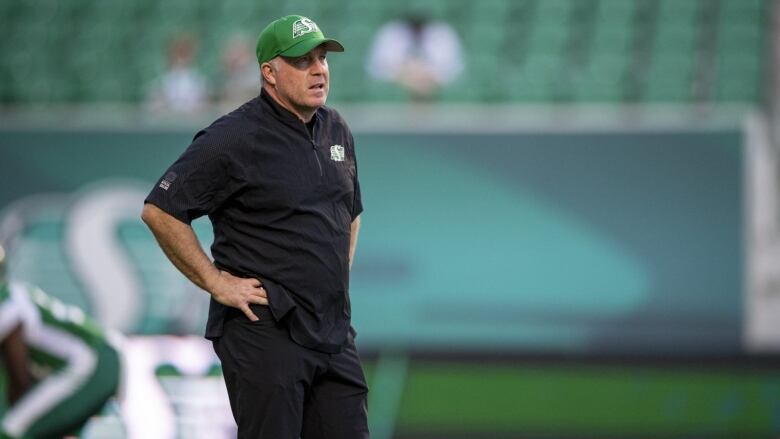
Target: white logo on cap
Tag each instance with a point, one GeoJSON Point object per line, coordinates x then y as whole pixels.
{"type": "Point", "coordinates": [303, 26]}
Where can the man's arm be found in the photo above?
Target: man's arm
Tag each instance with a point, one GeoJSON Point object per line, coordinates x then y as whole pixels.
{"type": "Point", "coordinates": [353, 237]}
{"type": "Point", "coordinates": [179, 243]}
{"type": "Point", "coordinates": [16, 363]}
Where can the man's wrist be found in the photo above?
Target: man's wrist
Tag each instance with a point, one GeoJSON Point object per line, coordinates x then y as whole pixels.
{"type": "Point", "coordinates": [212, 280]}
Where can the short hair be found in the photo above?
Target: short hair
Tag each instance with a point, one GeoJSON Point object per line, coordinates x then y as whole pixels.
{"type": "Point", "coordinates": [274, 65]}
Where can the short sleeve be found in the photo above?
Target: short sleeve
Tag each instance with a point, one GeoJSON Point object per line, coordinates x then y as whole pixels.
{"type": "Point", "coordinates": [200, 180]}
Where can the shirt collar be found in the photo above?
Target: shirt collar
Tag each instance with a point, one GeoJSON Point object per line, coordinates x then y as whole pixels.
{"type": "Point", "coordinates": [280, 112]}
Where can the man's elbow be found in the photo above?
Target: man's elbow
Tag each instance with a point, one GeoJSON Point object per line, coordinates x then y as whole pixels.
{"type": "Point", "coordinates": [157, 219]}
{"type": "Point", "coordinates": [149, 213]}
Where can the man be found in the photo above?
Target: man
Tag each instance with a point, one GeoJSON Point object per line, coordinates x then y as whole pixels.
{"type": "Point", "coordinates": [419, 54]}
{"type": "Point", "coordinates": [277, 178]}
{"type": "Point", "coordinates": [61, 368]}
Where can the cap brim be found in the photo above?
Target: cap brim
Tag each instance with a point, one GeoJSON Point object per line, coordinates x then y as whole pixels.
{"type": "Point", "coordinates": [305, 46]}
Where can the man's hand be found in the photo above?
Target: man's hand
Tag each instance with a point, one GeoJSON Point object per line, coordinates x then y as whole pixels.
{"type": "Point", "coordinates": [239, 292]}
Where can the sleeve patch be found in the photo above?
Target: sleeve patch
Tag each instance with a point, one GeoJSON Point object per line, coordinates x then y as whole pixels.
{"type": "Point", "coordinates": [166, 182]}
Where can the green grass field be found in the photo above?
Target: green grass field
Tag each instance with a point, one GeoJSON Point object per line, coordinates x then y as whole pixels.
{"type": "Point", "coordinates": [456, 399]}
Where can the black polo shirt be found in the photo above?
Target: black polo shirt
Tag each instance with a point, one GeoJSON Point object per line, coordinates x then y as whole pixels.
{"type": "Point", "coordinates": [281, 202]}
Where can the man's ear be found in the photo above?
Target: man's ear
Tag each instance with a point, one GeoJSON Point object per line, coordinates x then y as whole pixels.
{"type": "Point", "coordinates": [269, 76]}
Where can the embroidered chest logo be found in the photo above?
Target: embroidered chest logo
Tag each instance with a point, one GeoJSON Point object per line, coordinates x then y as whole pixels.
{"type": "Point", "coordinates": [337, 153]}
{"type": "Point", "coordinates": [302, 27]}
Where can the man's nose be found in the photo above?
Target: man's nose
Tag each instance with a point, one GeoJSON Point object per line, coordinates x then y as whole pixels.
{"type": "Point", "coordinates": [318, 67]}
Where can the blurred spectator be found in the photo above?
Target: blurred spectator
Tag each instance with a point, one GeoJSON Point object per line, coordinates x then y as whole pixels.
{"type": "Point", "coordinates": [240, 80]}
{"type": "Point", "coordinates": [182, 88]}
{"type": "Point", "coordinates": [418, 54]}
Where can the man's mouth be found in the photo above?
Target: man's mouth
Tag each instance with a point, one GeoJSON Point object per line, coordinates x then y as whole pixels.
{"type": "Point", "coordinates": [317, 86]}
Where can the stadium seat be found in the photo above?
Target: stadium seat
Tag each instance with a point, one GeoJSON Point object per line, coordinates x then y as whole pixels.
{"type": "Point", "coordinates": [602, 79]}
{"type": "Point", "coordinates": [557, 50]}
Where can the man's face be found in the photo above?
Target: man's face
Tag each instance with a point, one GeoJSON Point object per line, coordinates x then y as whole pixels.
{"type": "Point", "coordinates": [302, 82]}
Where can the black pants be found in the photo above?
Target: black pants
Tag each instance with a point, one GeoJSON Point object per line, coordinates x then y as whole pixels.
{"type": "Point", "coordinates": [281, 390]}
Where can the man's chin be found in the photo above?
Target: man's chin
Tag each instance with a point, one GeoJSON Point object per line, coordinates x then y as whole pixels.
{"type": "Point", "coordinates": [316, 102]}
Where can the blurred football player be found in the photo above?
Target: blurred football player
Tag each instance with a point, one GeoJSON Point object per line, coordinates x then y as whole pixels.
{"type": "Point", "coordinates": [60, 365]}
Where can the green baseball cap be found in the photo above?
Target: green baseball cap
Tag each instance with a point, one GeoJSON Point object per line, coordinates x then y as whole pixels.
{"type": "Point", "coordinates": [292, 35]}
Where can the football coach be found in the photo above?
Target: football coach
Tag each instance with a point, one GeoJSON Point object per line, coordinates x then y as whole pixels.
{"type": "Point", "coordinates": [277, 177]}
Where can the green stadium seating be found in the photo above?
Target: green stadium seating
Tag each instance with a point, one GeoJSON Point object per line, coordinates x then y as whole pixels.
{"type": "Point", "coordinates": [678, 12]}
{"type": "Point", "coordinates": [678, 38]}
{"type": "Point", "coordinates": [536, 80]}
{"type": "Point", "coordinates": [602, 79]}
{"type": "Point", "coordinates": [524, 50]}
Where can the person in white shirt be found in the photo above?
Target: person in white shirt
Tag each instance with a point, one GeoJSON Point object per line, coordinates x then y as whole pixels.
{"type": "Point", "coordinates": [418, 54]}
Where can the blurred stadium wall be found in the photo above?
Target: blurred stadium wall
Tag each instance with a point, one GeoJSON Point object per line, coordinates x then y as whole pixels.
{"type": "Point", "coordinates": [578, 239]}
